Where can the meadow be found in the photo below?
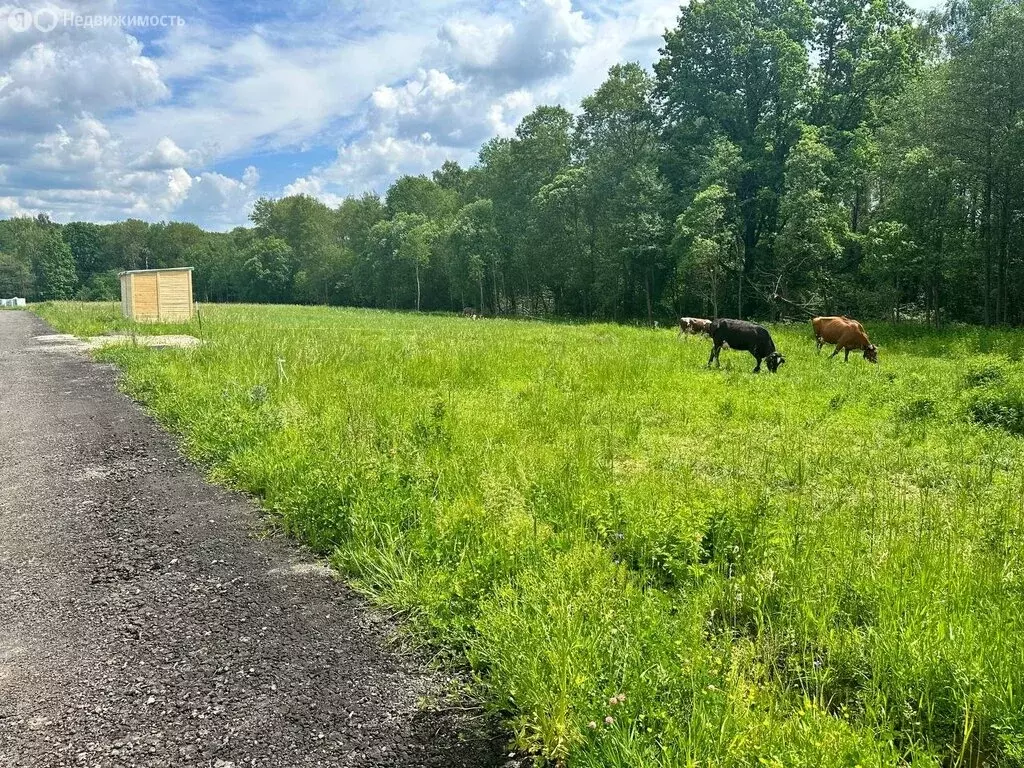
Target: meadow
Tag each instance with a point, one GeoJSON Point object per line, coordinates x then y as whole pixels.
{"type": "Point", "coordinates": [642, 562]}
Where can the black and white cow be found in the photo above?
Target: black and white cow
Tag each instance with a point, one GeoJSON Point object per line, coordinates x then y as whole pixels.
{"type": "Point", "coordinates": [743, 336]}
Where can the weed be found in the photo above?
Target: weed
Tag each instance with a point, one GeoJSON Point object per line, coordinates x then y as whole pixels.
{"type": "Point", "coordinates": [771, 568]}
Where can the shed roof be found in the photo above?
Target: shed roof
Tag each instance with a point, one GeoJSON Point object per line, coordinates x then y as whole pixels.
{"type": "Point", "coordinates": [163, 269]}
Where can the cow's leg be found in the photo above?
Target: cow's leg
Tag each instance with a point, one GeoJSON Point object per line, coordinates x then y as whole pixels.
{"type": "Point", "coordinates": [846, 357]}
{"type": "Point", "coordinates": [757, 368]}
{"type": "Point", "coordinates": [821, 343]}
{"type": "Point", "coordinates": [834, 352]}
{"type": "Point", "coordinates": [716, 354]}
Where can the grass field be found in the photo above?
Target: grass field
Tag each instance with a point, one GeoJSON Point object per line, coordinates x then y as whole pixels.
{"type": "Point", "coordinates": [822, 567]}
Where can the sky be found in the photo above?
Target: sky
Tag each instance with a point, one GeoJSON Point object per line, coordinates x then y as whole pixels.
{"type": "Point", "coordinates": [209, 106]}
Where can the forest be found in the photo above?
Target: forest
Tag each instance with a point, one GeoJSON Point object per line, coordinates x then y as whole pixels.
{"type": "Point", "coordinates": [782, 158]}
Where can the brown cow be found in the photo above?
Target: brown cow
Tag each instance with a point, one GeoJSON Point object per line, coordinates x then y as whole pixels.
{"type": "Point", "coordinates": [848, 335]}
{"type": "Point", "coordinates": [694, 325]}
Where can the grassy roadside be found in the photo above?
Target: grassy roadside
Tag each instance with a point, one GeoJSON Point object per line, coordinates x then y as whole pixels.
{"type": "Point", "coordinates": [817, 568]}
{"type": "Point", "coordinates": [85, 319]}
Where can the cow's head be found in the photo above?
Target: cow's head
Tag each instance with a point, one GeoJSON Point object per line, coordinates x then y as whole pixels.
{"type": "Point", "coordinates": [774, 360]}
{"type": "Point", "coordinates": [871, 353]}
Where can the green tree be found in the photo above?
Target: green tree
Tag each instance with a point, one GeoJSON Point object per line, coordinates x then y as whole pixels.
{"type": "Point", "coordinates": [540, 150]}
{"type": "Point", "coordinates": [736, 69]}
{"type": "Point", "coordinates": [473, 248]}
{"type": "Point", "coordinates": [707, 244]}
{"type": "Point", "coordinates": [451, 176]}
{"type": "Point", "coordinates": [86, 241]}
{"type": "Point", "coordinates": [267, 269]}
{"type": "Point", "coordinates": [127, 244]}
{"type": "Point", "coordinates": [618, 142]}
{"type": "Point", "coordinates": [54, 269]}
{"type": "Point", "coordinates": [813, 222]}
{"type": "Point", "coordinates": [15, 277]}
{"type": "Point", "coordinates": [419, 195]}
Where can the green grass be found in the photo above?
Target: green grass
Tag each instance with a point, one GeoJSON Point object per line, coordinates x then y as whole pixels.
{"type": "Point", "coordinates": [821, 567]}
{"type": "Point", "coordinates": [85, 319]}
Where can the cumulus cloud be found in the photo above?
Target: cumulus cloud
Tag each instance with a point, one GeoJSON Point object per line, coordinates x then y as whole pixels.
{"type": "Point", "coordinates": [82, 172]}
{"type": "Point", "coordinates": [314, 187]}
{"type": "Point", "coordinates": [52, 76]}
{"type": "Point", "coordinates": [167, 154]}
{"type": "Point", "coordinates": [86, 147]}
{"type": "Point", "coordinates": [540, 41]}
{"type": "Point", "coordinates": [220, 200]}
{"type": "Point", "coordinates": [487, 72]}
{"type": "Point", "coordinates": [248, 94]}
{"type": "Point", "coordinates": [370, 164]}
{"type": "Point", "coordinates": [10, 207]}
{"type": "Point", "coordinates": [450, 113]}
{"type": "Point", "coordinates": [102, 124]}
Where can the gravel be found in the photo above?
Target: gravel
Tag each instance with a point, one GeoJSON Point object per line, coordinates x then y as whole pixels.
{"type": "Point", "coordinates": [143, 623]}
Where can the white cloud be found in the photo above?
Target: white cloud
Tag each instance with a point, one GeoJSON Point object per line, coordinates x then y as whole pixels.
{"type": "Point", "coordinates": [506, 112]}
{"type": "Point", "coordinates": [314, 187]}
{"type": "Point", "coordinates": [10, 207]}
{"type": "Point", "coordinates": [369, 165]}
{"type": "Point", "coordinates": [179, 183]}
{"type": "Point", "coordinates": [87, 147]}
{"type": "Point", "coordinates": [252, 95]}
{"type": "Point", "coordinates": [538, 42]}
{"type": "Point", "coordinates": [99, 125]}
{"type": "Point", "coordinates": [222, 201]}
{"type": "Point", "coordinates": [167, 154]}
{"type": "Point", "coordinates": [452, 114]}
{"type": "Point", "coordinates": [49, 77]}
{"type": "Point", "coordinates": [487, 73]}
{"type": "Point", "coordinates": [83, 172]}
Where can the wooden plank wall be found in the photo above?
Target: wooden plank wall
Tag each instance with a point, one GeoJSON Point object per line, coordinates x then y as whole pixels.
{"type": "Point", "coordinates": [145, 304]}
{"type": "Point", "coordinates": [126, 295]}
{"type": "Point", "coordinates": [175, 296]}
{"type": "Point", "coordinates": [164, 296]}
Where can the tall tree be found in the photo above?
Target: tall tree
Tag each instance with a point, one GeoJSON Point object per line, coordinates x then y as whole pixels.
{"type": "Point", "coordinates": [736, 69]}
{"type": "Point", "coordinates": [618, 143]}
{"type": "Point", "coordinates": [54, 269]}
{"type": "Point", "coordinates": [15, 277]}
{"type": "Point", "coordinates": [813, 225]}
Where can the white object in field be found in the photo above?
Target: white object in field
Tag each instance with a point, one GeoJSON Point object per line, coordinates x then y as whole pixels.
{"type": "Point", "coordinates": [157, 295]}
{"type": "Point", "coordinates": [14, 302]}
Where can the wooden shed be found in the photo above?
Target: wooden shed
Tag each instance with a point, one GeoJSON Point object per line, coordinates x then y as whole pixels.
{"type": "Point", "coordinates": [157, 295]}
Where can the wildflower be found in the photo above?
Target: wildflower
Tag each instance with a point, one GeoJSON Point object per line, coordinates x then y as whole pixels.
{"type": "Point", "coordinates": [622, 698]}
{"type": "Point", "coordinates": [592, 725]}
{"type": "Point", "coordinates": [609, 720]}
{"type": "Point", "coordinates": [613, 701]}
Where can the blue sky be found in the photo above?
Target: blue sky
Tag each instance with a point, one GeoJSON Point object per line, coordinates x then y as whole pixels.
{"type": "Point", "coordinates": [196, 120]}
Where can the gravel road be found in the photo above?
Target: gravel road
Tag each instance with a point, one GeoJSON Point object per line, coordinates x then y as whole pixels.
{"type": "Point", "coordinates": [143, 623]}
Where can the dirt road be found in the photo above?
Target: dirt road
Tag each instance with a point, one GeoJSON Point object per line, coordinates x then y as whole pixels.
{"type": "Point", "coordinates": [141, 623]}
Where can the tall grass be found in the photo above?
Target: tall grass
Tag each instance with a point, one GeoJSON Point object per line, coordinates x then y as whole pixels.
{"type": "Point", "coordinates": [97, 318]}
{"type": "Point", "coordinates": [821, 567]}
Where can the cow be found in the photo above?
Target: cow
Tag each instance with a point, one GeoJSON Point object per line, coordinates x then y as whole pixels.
{"type": "Point", "coordinates": [470, 312]}
{"type": "Point", "coordinates": [743, 336]}
{"type": "Point", "coordinates": [847, 334]}
{"type": "Point", "coordinates": [694, 325]}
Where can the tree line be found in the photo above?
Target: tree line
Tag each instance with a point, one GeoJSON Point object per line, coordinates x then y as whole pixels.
{"type": "Point", "coordinates": [784, 157]}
